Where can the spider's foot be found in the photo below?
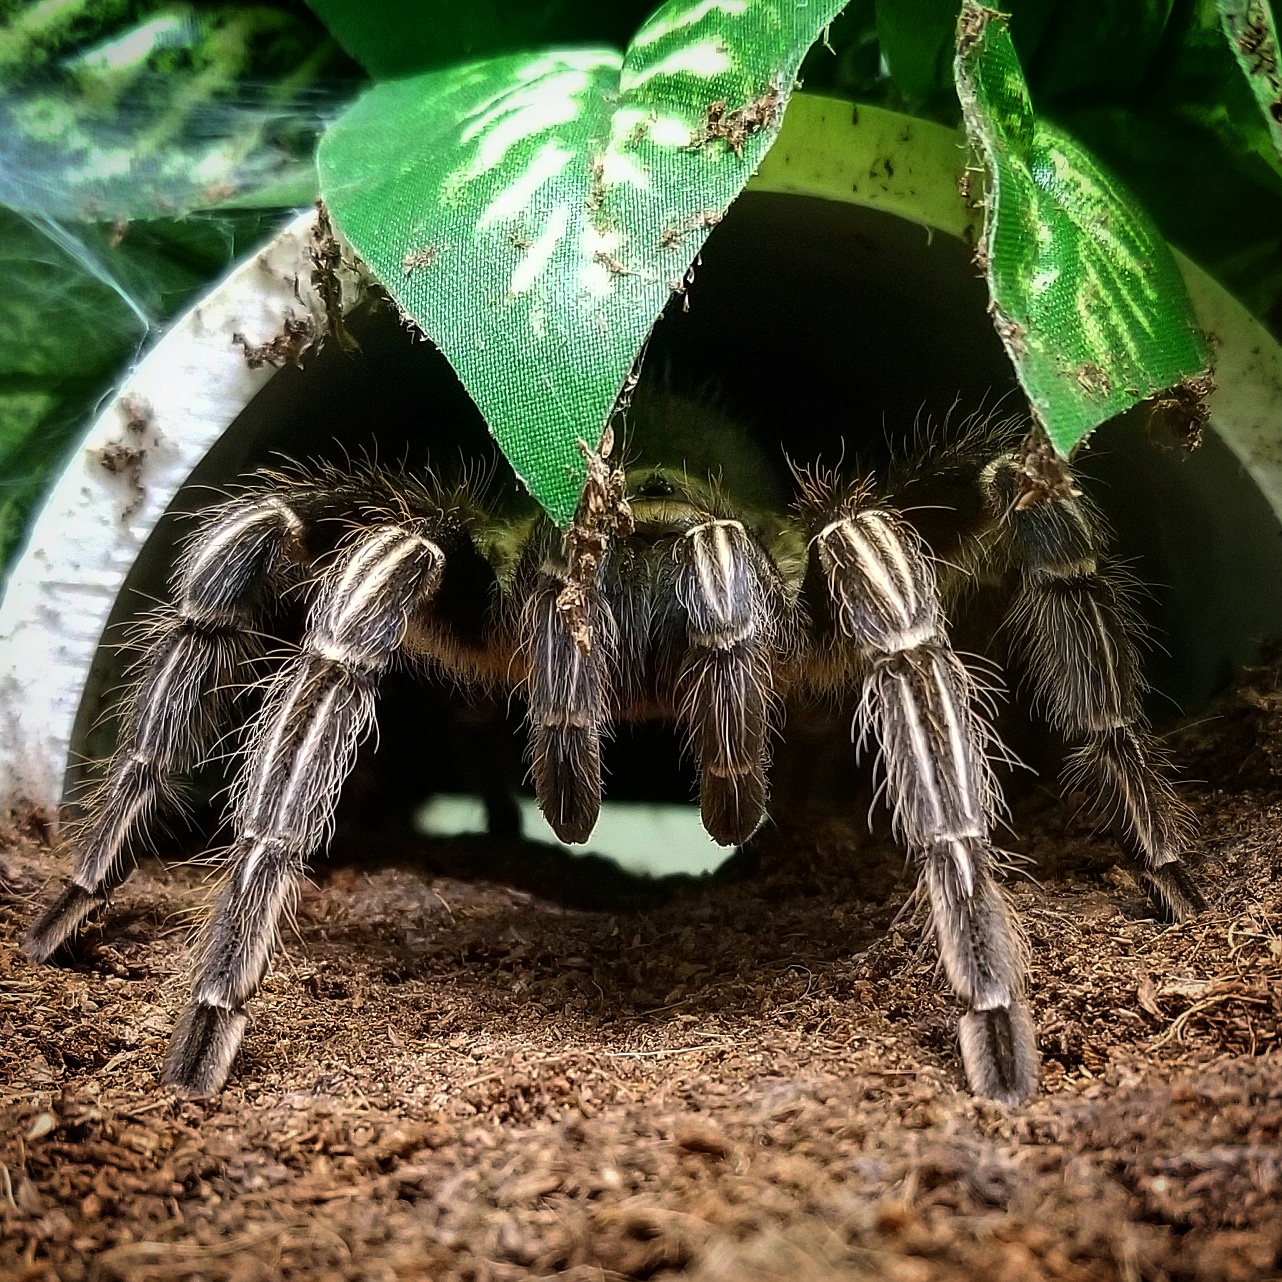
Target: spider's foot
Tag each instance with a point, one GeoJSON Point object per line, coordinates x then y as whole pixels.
{"type": "Point", "coordinates": [732, 805]}
{"type": "Point", "coordinates": [999, 1049]}
{"type": "Point", "coordinates": [204, 1045]}
{"type": "Point", "coordinates": [567, 781]}
{"type": "Point", "coordinates": [1173, 891]}
{"type": "Point", "coordinates": [60, 921]}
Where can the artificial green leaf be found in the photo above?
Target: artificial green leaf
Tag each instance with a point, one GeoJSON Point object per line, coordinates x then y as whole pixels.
{"type": "Point", "coordinates": [1253, 37]}
{"type": "Point", "coordinates": [1085, 294]}
{"type": "Point", "coordinates": [1152, 89]}
{"type": "Point", "coordinates": [535, 214]}
{"type": "Point", "coordinates": [113, 111]}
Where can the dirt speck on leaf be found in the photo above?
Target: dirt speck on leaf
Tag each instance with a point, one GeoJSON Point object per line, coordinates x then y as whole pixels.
{"type": "Point", "coordinates": [972, 24]}
{"type": "Point", "coordinates": [610, 263]}
{"type": "Point", "coordinates": [1092, 379]}
{"type": "Point", "coordinates": [734, 126]}
{"type": "Point", "coordinates": [1011, 332]}
{"type": "Point", "coordinates": [327, 258]}
{"type": "Point", "coordinates": [596, 189]}
{"type": "Point", "coordinates": [701, 220]}
{"type": "Point", "coordinates": [419, 258]}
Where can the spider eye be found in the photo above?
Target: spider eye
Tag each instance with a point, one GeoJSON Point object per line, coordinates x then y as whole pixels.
{"type": "Point", "coordinates": [656, 486]}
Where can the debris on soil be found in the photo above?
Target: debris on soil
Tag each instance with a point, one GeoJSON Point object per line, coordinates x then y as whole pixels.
{"type": "Point", "coordinates": [287, 347]}
{"type": "Point", "coordinates": [602, 515]}
{"type": "Point", "coordinates": [749, 1077]}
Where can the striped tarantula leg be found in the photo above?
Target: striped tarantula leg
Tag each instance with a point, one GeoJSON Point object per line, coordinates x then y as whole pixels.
{"type": "Point", "coordinates": [1073, 621]}
{"type": "Point", "coordinates": [192, 662]}
{"type": "Point", "coordinates": [300, 747]}
{"type": "Point", "coordinates": [568, 693]}
{"type": "Point", "coordinates": [919, 705]}
{"type": "Point", "coordinates": [727, 701]}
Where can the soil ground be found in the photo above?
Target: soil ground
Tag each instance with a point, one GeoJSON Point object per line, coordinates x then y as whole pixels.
{"type": "Point", "coordinates": [500, 1065]}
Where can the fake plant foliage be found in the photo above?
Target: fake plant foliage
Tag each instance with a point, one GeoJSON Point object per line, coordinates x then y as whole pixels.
{"type": "Point", "coordinates": [116, 113]}
{"type": "Point", "coordinates": [113, 111]}
{"type": "Point", "coordinates": [1085, 294]}
{"type": "Point", "coordinates": [114, 118]}
{"type": "Point", "coordinates": [534, 214]}
{"type": "Point", "coordinates": [1253, 37]}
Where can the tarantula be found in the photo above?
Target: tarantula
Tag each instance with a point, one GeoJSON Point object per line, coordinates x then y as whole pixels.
{"type": "Point", "coordinates": [709, 608]}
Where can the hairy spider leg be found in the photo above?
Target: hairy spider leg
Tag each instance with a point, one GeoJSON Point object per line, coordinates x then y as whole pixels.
{"type": "Point", "coordinates": [918, 704]}
{"type": "Point", "coordinates": [1075, 630]}
{"type": "Point", "coordinates": [194, 660]}
{"type": "Point", "coordinates": [733, 603]}
{"type": "Point", "coordinates": [303, 744]}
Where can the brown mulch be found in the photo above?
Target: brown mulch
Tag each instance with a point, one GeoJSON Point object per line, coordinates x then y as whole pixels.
{"type": "Point", "coordinates": [749, 1078]}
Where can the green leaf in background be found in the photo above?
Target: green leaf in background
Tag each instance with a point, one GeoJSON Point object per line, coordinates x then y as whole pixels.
{"type": "Point", "coordinates": [394, 38]}
{"type": "Point", "coordinates": [535, 214]}
{"type": "Point", "coordinates": [1253, 37]}
{"type": "Point", "coordinates": [1085, 294]}
{"type": "Point", "coordinates": [114, 116]}
{"type": "Point", "coordinates": [73, 313]}
{"type": "Point", "coordinates": [111, 111]}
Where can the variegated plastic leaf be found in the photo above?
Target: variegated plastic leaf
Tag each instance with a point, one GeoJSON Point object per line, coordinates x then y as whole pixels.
{"type": "Point", "coordinates": [160, 109]}
{"type": "Point", "coordinates": [534, 214]}
{"type": "Point", "coordinates": [1253, 36]}
{"type": "Point", "coordinates": [1086, 295]}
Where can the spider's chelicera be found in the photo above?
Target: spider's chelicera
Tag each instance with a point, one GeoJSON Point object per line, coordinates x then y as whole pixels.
{"type": "Point", "coordinates": [710, 608]}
